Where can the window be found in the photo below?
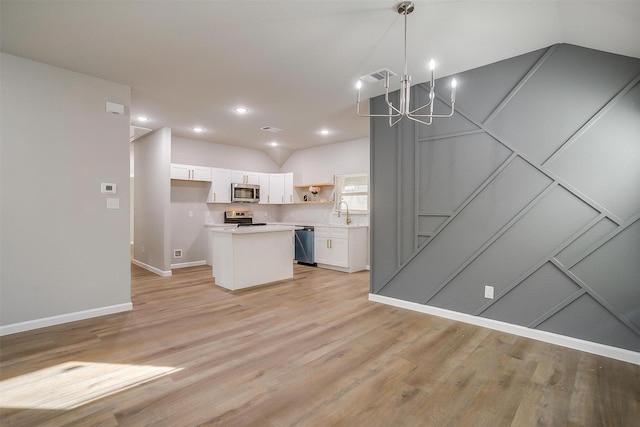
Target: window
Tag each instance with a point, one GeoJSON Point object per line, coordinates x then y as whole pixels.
{"type": "Point", "coordinates": [354, 190]}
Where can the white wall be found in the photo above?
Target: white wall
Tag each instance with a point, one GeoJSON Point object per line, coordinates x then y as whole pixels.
{"type": "Point", "coordinates": [202, 153]}
{"type": "Point", "coordinates": [63, 254]}
{"type": "Point", "coordinates": [319, 164]}
{"type": "Point", "coordinates": [152, 154]}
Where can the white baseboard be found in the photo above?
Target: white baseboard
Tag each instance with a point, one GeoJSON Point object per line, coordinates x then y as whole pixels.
{"type": "Point", "coordinates": [151, 268]}
{"type": "Point", "coordinates": [63, 318]}
{"type": "Point", "coordinates": [188, 264]}
{"type": "Point", "coordinates": [536, 334]}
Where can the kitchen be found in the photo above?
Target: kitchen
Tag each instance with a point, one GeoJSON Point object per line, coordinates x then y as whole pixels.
{"type": "Point", "coordinates": [184, 211]}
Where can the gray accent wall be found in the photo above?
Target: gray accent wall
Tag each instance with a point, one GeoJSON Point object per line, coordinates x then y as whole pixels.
{"type": "Point", "coordinates": [533, 187]}
{"type": "Point", "coordinates": [64, 255]}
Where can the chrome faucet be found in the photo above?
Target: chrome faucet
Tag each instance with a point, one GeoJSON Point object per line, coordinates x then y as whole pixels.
{"type": "Point", "coordinates": [347, 205]}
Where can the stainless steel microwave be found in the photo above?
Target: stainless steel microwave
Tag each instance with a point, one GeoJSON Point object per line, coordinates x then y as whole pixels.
{"type": "Point", "coordinates": [245, 193]}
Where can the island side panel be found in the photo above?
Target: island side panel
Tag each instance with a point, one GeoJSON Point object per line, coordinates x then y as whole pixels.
{"type": "Point", "coordinates": [223, 259]}
{"type": "Point", "coordinates": [244, 259]}
{"type": "Point", "coordinates": [269, 258]}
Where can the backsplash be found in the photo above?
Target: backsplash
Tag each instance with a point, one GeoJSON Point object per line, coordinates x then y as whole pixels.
{"type": "Point", "coordinates": [318, 214]}
{"type": "Point", "coordinates": [261, 213]}
{"type": "Point", "coordinates": [298, 214]}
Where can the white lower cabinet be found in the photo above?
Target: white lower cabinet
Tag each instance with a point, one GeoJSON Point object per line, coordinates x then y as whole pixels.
{"type": "Point", "coordinates": [341, 248]}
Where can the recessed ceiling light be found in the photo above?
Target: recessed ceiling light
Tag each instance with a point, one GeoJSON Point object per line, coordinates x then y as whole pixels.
{"type": "Point", "coordinates": [273, 143]}
{"type": "Point", "coordinates": [141, 118]}
{"type": "Point", "coordinates": [197, 129]}
{"type": "Point", "coordinates": [324, 131]}
{"type": "Point", "coordinates": [241, 110]}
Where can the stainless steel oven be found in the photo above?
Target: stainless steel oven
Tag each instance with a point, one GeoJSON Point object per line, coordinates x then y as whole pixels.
{"type": "Point", "coordinates": [240, 218]}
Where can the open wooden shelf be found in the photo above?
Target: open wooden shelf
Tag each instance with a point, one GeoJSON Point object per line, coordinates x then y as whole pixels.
{"type": "Point", "coordinates": [326, 184]}
{"type": "Point", "coordinates": [322, 202]}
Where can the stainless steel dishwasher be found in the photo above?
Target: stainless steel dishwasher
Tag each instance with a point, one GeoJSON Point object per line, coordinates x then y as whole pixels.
{"type": "Point", "coordinates": [304, 245]}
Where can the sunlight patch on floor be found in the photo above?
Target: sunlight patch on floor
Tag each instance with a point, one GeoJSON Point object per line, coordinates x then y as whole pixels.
{"type": "Point", "coordinates": [72, 384]}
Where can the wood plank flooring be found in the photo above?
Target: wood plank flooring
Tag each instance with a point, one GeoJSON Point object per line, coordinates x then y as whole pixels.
{"type": "Point", "coordinates": [311, 351]}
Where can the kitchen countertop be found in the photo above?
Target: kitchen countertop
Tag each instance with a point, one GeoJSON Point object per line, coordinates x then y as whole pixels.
{"type": "Point", "coordinates": [289, 224]}
{"type": "Point", "coordinates": [303, 223]}
{"type": "Point", "coordinates": [232, 229]}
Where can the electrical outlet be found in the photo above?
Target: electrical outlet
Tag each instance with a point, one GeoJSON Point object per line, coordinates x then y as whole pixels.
{"type": "Point", "coordinates": [190, 214]}
{"type": "Point", "coordinates": [488, 292]}
{"type": "Point", "coordinates": [177, 253]}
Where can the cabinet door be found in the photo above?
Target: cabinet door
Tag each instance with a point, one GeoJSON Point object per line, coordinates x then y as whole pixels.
{"type": "Point", "coordinates": [264, 188]}
{"type": "Point", "coordinates": [321, 250]}
{"type": "Point", "coordinates": [238, 177]}
{"type": "Point", "coordinates": [288, 188]}
{"type": "Point", "coordinates": [220, 186]}
{"type": "Point", "coordinates": [276, 188]}
{"type": "Point", "coordinates": [180, 172]}
{"type": "Point", "coordinates": [339, 252]}
{"type": "Point", "coordinates": [253, 178]}
{"type": "Point", "coordinates": [200, 173]}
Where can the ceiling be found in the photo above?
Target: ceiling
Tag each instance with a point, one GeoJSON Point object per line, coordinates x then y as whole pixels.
{"type": "Point", "coordinates": [293, 64]}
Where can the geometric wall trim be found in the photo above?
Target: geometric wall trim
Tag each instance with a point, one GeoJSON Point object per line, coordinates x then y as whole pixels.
{"type": "Point", "coordinates": [532, 187]}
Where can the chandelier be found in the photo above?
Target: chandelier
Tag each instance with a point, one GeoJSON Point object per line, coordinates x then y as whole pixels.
{"type": "Point", "coordinates": [419, 114]}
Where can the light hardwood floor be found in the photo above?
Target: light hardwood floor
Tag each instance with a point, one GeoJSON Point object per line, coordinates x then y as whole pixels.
{"type": "Point", "coordinates": [311, 351]}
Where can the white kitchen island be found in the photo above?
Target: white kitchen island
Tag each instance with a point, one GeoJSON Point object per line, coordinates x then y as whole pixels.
{"type": "Point", "coordinates": [251, 256]}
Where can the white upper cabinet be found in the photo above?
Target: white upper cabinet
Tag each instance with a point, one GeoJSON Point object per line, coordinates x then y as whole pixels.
{"type": "Point", "coordinates": [190, 172]}
{"type": "Point", "coordinates": [220, 191]}
{"type": "Point", "coordinates": [276, 188]}
{"type": "Point", "coordinates": [288, 188]}
{"type": "Point", "coordinates": [244, 177]}
{"type": "Point", "coordinates": [264, 188]}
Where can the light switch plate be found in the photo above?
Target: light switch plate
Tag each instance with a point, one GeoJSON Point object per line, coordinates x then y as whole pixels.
{"type": "Point", "coordinates": [113, 203]}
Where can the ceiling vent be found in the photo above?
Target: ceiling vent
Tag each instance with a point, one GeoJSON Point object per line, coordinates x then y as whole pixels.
{"type": "Point", "coordinates": [377, 76]}
{"type": "Point", "coordinates": [270, 129]}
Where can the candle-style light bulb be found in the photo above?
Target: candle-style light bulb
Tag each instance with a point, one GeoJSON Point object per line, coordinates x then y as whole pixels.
{"type": "Point", "coordinates": [432, 66]}
{"type": "Point", "coordinates": [454, 84]}
{"type": "Point", "coordinates": [359, 84]}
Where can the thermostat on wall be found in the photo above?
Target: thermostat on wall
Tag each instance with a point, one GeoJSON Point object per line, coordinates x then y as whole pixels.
{"type": "Point", "coordinates": [108, 188]}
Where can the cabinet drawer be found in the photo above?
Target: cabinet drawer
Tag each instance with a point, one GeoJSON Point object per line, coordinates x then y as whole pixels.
{"type": "Point", "coordinates": [322, 232]}
{"type": "Point", "coordinates": [340, 233]}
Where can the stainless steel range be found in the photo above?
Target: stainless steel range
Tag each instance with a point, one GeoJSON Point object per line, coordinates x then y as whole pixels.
{"type": "Point", "coordinates": [241, 218]}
